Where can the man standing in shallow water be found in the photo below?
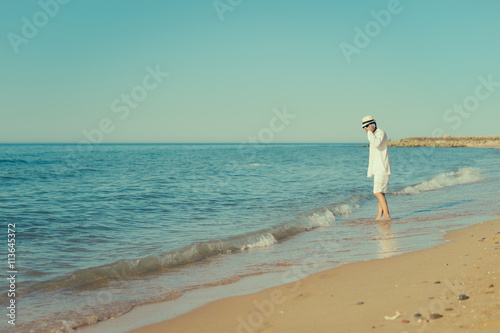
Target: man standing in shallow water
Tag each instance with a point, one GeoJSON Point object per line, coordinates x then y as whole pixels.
{"type": "Point", "coordinates": [378, 166]}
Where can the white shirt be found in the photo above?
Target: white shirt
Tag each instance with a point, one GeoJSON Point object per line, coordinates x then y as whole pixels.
{"type": "Point", "coordinates": [379, 157]}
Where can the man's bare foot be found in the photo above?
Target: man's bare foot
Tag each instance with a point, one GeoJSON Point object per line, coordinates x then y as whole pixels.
{"type": "Point", "coordinates": [385, 218]}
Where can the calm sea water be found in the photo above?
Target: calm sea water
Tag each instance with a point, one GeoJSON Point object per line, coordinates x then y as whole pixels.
{"type": "Point", "coordinates": [103, 228]}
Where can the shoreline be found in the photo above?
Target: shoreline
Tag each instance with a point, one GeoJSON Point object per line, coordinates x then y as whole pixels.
{"type": "Point", "coordinates": [492, 141]}
{"type": "Point", "coordinates": [343, 298]}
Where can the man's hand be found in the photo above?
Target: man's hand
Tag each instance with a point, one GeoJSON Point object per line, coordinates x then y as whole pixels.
{"type": "Point", "coordinates": [369, 128]}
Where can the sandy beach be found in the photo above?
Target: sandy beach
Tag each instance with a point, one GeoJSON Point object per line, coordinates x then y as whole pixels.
{"type": "Point", "coordinates": [450, 288]}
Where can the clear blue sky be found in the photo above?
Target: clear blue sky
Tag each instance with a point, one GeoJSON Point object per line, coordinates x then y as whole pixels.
{"type": "Point", "coordinates": [71, 67]}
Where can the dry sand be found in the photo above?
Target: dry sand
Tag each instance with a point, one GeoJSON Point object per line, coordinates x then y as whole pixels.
{"type": "Point", "coordinates": [359, 297]}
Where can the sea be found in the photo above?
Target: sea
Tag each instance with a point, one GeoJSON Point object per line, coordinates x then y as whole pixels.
{"type": "Point", "coordinates": [96, 231]}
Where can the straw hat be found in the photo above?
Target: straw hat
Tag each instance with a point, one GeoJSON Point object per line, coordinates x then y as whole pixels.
{"type": "Point", "coordinates": [367, 121]}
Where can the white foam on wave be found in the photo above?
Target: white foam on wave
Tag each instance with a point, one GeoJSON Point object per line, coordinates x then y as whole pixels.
{"type": "Point", "coordinates": [460, 177]}
{"type": "Point", "coordinates": [265, 240]}
{"type": "Point", "coordinates": [344, 209]}
{"type": "Point", "coordinates": [321, 219]}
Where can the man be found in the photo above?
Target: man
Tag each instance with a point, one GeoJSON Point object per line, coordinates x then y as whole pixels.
{"type": "Point", "coordinates": [378, 166]}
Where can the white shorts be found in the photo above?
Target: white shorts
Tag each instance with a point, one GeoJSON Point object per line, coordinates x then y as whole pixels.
{"type": "Point", "coordinates": [380, 183]}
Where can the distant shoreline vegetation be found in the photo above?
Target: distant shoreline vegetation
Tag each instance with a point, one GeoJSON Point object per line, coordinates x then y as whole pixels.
{"type": "Point", "coordinates": [448, 141]}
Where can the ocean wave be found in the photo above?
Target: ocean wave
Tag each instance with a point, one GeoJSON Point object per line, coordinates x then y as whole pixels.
{"type": "Point", "coordinates": [460, 177]}
{"type": "Point", "coordinates": [324, 218]}
{"type": "Point", "coordinates": [97, 277]}
{"type": "Point", "coordinates": [13, 161]}
{"type": "Point", "coordinates": [348, 206]}
{"type": "Point", "coordinates": [260, 241]}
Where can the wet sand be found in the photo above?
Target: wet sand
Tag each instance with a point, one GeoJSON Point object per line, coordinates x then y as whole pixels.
{"type": "Point", "coordinates": [454, 287]}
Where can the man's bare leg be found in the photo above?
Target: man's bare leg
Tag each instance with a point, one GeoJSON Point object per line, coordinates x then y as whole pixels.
{"type": "Point", "coordinates": [380, 211]}
{"type": "Point", "coordinates": [383, 209]}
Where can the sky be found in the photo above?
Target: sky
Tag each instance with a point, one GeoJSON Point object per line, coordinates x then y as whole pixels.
{"type": "Point", "coordinates": [205, 71]}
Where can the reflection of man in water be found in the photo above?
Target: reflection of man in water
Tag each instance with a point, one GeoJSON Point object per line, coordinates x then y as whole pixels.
{"type": "Point", "coordinates": [378, 166]}
{"type": "Point", "coordinates": [386, 240]}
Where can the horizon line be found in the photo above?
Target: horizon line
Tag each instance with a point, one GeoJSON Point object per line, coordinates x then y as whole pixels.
{"type": "Point", "coordinates": [170, 143]}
